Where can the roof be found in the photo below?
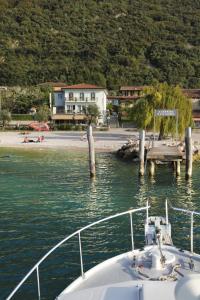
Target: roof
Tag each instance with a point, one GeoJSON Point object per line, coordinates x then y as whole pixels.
{"type": "Point", "coordinates": [192, 93]}
{"type": "Point", "coordinates": [62, 117]}
{"type": "Point", "coordinates": [196, 114]}
{"type": "Point", "coordinates": [132, 88]}
{"type": "Point", "coordinates": [124, 98]}
{"type": "Point", "coordinates": [83, 86]}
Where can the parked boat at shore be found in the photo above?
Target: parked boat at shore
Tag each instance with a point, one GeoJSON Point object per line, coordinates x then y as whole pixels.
{"type": "Point", "coordinates": [158, 271]}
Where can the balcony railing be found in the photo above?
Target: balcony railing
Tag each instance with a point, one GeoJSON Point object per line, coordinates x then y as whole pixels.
{"type": "Point", "coordinates": [69, 112]}
{"type": "Point", "coordinates": [77, 99]}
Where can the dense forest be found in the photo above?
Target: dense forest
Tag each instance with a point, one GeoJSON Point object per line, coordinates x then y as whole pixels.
{"type": "Point", "coordinates": [104, 42]}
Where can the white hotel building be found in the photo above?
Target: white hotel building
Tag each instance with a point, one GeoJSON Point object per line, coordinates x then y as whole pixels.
{"type": "Point", "coordinates": [69, 102]}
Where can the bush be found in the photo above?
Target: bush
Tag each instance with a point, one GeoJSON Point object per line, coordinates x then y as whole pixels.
{"type": "Point", "coordinates": [68, 127]}
{"type": "Point", "coordinates": [79, 127]}
{"type": "Point", "coordinates": [103, 129]}
{"type": "Point", "coordinates": [22, 117]}
{"type": "Point", "coordinates": [62, 127]}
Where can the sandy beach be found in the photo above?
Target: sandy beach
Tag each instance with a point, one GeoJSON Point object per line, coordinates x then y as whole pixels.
{"type": "Point", "coordinates": [107, 141]}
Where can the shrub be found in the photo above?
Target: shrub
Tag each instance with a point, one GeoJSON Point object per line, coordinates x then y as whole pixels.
{"type": "Point", "coordinates": [22, 117]}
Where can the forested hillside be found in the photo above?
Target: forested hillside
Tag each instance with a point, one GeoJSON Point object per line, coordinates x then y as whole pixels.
{"type": "Point", "coordinates": [105, 42]}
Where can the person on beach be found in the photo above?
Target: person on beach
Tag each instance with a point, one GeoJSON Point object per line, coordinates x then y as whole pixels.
{"type": "Point", "coordinates": [26, 140]}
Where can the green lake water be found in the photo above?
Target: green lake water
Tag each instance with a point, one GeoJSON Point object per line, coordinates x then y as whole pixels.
{"type": "Point", "coordinates": [46, 195]}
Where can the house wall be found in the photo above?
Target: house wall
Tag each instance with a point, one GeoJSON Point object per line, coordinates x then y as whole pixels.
{"type": "Point", "coordinates": [195, 104]}
{"type": "Point", "coordinates": [73, 101]}
{"type": "Point", "coordinates": [59, 99]}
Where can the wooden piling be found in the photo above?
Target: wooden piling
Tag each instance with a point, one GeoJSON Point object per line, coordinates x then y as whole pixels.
{"type": "Point", "coordinates": [91, 151]}
{"type": "Point", "coordinates": [152, 168]}
{"type": "Point", "coordinates": [178, 168]}
{"type": "Point", "coordinates": [188, 152]}
{"type": "Point", "coordinates": [141, 152]}
{"type": "Point", "coordinates": [173, 165]}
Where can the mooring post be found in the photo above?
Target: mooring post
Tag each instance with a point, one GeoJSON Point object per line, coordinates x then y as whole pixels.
{"type": "Point", "coordinates": [152, 168]}
{"type": "Point", "coordinates": [91, 151]}
{"type": "Point", "coordinates": [188, 152]}
{"type": "Point", "coordinates": [141, 152]}
{"type": "Point", "coordinates": [178, 168]}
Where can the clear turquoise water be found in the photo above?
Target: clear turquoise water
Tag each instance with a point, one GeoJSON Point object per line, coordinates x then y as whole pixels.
{"type": "Point", "coordinates": [46, 195]}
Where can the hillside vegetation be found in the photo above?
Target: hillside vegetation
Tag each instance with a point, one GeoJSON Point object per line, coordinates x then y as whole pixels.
{"type": "Point", "coordinates": [109, 43]}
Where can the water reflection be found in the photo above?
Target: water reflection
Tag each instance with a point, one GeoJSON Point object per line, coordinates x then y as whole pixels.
{"type": "Point", "coordinates": [142, 194]}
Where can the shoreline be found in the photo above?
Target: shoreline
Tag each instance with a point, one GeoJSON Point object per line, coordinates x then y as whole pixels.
{"type": "Point", "coordinates": [108, 142]}
{"type": "Point", "coordinates": [57, 148]}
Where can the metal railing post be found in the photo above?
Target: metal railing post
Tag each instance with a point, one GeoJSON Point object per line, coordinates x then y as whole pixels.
{"type": "Point", "coordinates": [78, 232]}
{"type": "Point", "coordinates": [132, 240]}
{"type": "Point", "coordinates": [166, 211]}
{"type": "Point", "coordinates": [38, 282]}
{"type": "Point", "coordinates": [191, 233]}
{"type": "Point", "coordinates": [81, 255]}
{"type": "Point", "coordinates": [147, 210]}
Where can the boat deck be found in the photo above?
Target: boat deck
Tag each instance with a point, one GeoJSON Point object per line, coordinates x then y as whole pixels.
{"type": "Point", "coordinates": [131, 276]}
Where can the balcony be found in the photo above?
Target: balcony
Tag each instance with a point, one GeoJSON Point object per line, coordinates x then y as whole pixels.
{"type": "Point", "coordinates": [78, 99]}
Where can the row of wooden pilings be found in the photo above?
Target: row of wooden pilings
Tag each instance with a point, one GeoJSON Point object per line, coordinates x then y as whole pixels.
{"type": "Point", "coordinates": [188, 153]}
{"type": "Point", "coordinates": [188, 156]}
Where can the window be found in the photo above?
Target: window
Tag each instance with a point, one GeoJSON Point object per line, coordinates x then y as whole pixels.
{"type": "Point", "coordinates": [71, 96]}
{"type": "Point", "coordinates": [93, 96]}
{"type": "Point", "coordinates": [81, 96]}
{"type": "Point", "coordinates": [70, 108]}
{"type": "Point", "coordinates": [80, 109]}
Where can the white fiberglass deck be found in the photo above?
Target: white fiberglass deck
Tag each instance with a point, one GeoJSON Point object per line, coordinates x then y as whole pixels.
{"type": "Point", "coordinates": [130, 276]}
{"type": "Point", "coordinates": [126, 291]}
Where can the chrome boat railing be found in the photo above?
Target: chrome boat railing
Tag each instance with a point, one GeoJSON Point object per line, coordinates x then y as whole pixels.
{"type": "Point", "coordinates": [191, 213]}
{"type": "Point", "coordinates": [78, 233]}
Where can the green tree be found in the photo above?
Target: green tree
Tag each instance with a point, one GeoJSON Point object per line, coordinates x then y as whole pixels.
{"type": "Point", "coordinates": [19, 100]}
{"type": "Point", "coordinates": [109, 107]}
{"type": "Point", "coordinates": [92, 113]}
{"type": "Point", "coordinates": [163, 96]}
{"type": "Point", "coordinates": [5, 117]}
{"type": "Point", "coordinates": [43, 114]}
